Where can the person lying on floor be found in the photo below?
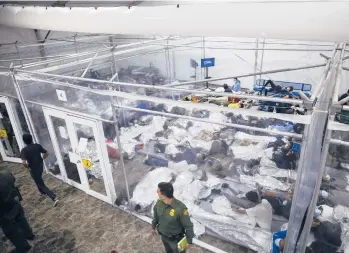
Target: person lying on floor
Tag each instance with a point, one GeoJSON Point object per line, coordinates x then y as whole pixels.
{"type": "Point", "coordinates": [280, 202]}
{"type": "Point", "coordinates": [325, 199]}
{"type": "Point", "coordinates": [262, 212]}
{"type": "Point", "coordinates": [284, 157]}
{"type": "Point", "coordinates": [277, 88]}
{"type": "Point", "coordinates": [327, 233]}
{"type": "Point", "coordinates": [226, 88]}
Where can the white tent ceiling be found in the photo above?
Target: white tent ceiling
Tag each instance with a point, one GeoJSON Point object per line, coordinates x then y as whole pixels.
{"type": "Point", "coordinates": [299, 20]}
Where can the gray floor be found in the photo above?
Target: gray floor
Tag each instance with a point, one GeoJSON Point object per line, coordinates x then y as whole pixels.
{"type": "Point", "coordinates": [83, 224]}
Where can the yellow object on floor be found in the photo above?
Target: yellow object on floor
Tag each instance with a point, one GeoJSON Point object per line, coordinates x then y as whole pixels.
{"type": "Point", "coordinates": [234, 105]}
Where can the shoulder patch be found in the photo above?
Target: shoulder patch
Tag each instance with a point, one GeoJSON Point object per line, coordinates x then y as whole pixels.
{"type": "Point", "coordinates": [185, 212]}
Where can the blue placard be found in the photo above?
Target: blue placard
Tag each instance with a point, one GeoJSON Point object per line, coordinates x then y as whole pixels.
{"type": "Point", "coordinates": [207, 62]}
{"type": "Point", "coordinates": [296, 147]}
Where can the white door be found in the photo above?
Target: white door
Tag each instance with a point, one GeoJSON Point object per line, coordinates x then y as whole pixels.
{"type": "Point", "coordinates": [10, 132]}
{"type": "Point", "coordinates": [80, 148]}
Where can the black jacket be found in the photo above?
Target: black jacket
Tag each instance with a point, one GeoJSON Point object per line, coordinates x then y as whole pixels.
{"type": "Point", "coordinates": [8, 192]}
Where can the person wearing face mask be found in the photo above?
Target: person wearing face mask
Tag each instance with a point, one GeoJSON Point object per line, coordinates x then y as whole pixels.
{"type": "Point", "coordinates": [171, 219]}
{"type": "Point", "coordinates": [237, 85]}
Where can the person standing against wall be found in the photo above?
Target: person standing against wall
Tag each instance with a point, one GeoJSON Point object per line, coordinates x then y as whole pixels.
{"type": "Point", "coordinates": [32, 160]}
{"type": "Point", "coordinates": [171, 219]}
{"type": "Point", "coordinates": [12, 219]}
{"type": "Point", "coordinates": [237, 85]}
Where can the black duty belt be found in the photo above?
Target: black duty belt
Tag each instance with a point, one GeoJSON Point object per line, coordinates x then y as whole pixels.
{"type": "Point", "coordinates": [173, 237]}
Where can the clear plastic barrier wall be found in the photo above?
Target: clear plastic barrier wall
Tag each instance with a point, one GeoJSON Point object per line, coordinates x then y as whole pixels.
{"type": "Point", "coordinates": [215, 168]}
{"type": "Point", "coordinates": [330, 227]}
{"type": "Point", "coordinates": [6, 85]}
{"type": "Point", "coordinates": [218, 159]}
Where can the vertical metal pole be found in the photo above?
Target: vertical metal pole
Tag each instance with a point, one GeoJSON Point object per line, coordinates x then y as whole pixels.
{"type": "Point", "coordinates": [89, 65]}
{"type": "Point", "coordinates": [19, 57]}
{"type": "Point", "coordinates": [24, 108]}
{"type": "Point", "coordinates": [166, 61]}
{"type": "Point", "coordinates": [26, 112]}
{"type": "Point", "coordinates": [306, 229]}
{"type": "Point", "coordinates": [255, 62]}
{"type": "Point", "coordinates": [331, 90]}
{"type": "Point", "coordinates": [203, 55]}
{"type": "Point", "coordinates": [7, 141]}
{"type": "Point", "coordinates": [112, 55]}
{"type": "Point", "coordinates": [168, 66]}
{"type": "Point", "coordinates": [169, 61]}
{"type": "Point", "coordinates": [309, 176]}
{"type": "Point", "coordinates": [262, 59]}
{"type": "Point", "coordinates": [206, 69]}
{"type": "Point", "coordinates": [120, 149]}
{"type": "Point", "coordinates": [76, 51]}
{"type": "Point", "coordinates": [174, 65]}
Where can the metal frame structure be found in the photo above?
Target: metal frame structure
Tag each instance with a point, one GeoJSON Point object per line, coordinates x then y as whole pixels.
{"type": "Point", "coordinates": [17, 133]}
{"type": "Point", "coordinates": [314, 146]}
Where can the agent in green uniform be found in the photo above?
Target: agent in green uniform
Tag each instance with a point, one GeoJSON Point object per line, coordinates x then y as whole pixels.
{"type": "Point", "coordinates": [171, 219]}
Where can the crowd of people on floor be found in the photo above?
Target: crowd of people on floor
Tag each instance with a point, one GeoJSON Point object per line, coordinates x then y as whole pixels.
{"type": "Point", "coordinates": [259, 204]}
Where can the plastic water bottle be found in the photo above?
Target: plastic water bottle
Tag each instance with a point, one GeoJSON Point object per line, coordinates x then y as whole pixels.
{"type": "Point", "coordinates": [274, 111]}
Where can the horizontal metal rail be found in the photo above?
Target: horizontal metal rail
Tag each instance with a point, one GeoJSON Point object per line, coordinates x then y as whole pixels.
{"type": "Point", "coordinates": [302, 119]}
{"type": "Point", "coordinates": [81, 114]}
{"type": "Point", "coordinates": [93, 52]}
{"type": "Point", "coordinates": [167, 88]}
{"type": "Point", "coordinates": [247, 75]}
{"type": "Point", "coordinates": [250, 49]}
{"type": "Point", "coordinates": [339, 142]}
{"type": "Point", "coordinates": [171, 115]}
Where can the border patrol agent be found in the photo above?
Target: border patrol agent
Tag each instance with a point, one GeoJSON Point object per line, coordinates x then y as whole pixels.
{"type": "Point", "coordinates": [171, 219]}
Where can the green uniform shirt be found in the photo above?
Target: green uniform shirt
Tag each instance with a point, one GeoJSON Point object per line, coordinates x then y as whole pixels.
{"type": "Point", "coordinates": [171, 220]}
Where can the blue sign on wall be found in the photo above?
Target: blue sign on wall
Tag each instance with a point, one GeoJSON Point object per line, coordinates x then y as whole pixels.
{"type": "Point", "coordinates": [207, 62]}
